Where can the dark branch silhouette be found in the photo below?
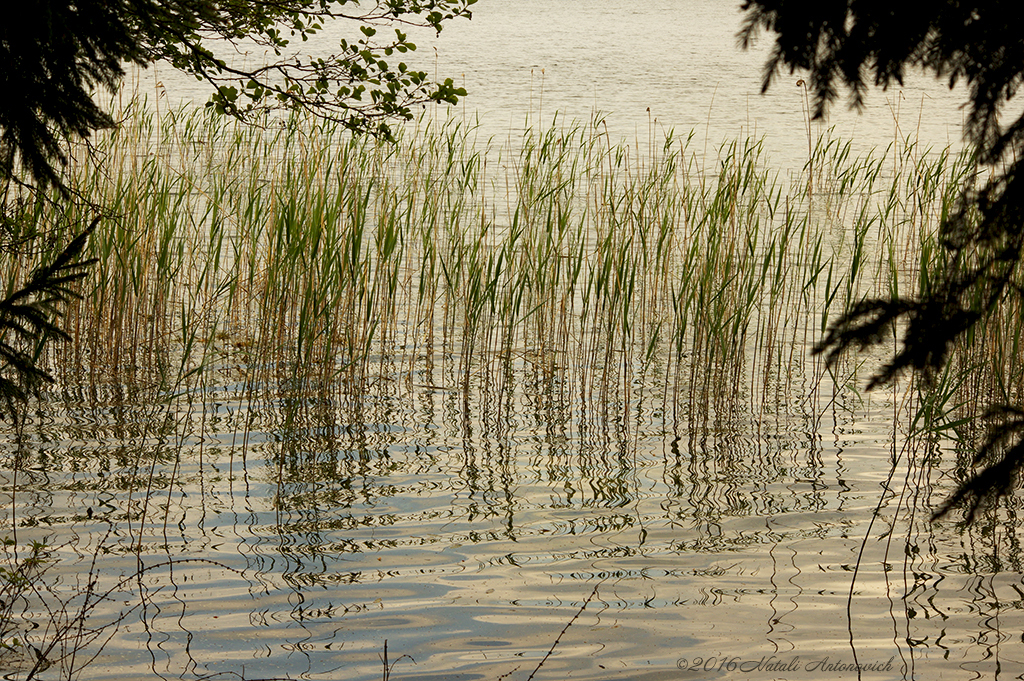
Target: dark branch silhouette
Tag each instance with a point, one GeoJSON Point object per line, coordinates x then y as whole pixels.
{"type": "Point", "coordinates": [857, 45]}
{"type": "Point", "coordinates": [28, 318]}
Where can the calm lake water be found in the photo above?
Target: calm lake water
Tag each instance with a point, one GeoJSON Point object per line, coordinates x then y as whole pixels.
{"type": "Point", "coordinates": [647, 68]}
{"type": "Point", "coordinates": [781, 537]}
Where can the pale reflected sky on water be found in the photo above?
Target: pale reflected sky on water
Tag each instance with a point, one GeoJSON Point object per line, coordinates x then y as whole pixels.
{"type": "Point", "coordinates": [649, 67]}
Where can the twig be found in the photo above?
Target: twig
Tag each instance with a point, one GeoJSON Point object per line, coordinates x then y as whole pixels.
{"type": "Point", "coordinates": [388, 667]}
{"type": "Point", "coordinates": [565, 629]}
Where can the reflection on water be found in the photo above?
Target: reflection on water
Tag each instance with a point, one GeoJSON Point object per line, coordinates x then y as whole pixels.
{"type": "Point", "coordinates": [742, 513]}
{"type": "Point", "coordinates": [650, 67]}
{"type": "Point", "coordinates": [468, 543]}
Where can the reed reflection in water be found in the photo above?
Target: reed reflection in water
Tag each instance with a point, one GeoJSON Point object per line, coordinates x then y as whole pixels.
{"type": "Point", "coordinates": [434, 394]}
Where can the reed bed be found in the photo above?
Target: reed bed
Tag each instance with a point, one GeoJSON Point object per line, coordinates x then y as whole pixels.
{"type": "Point", "coordinates": [292, 261]}
{"type": "Point", "coordinates": [594, 299]}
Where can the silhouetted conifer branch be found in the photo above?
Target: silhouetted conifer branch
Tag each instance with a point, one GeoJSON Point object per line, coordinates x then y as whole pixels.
{"type": "Point", "coordinates": [857, 45]}
{"type": "Point", "coordinates": [1002, 456]}
{"type": "Point", "coordinates": [28, 318]}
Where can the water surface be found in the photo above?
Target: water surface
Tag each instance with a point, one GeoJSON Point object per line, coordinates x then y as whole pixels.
{"type": "Point", "coordinates": [774, 527]}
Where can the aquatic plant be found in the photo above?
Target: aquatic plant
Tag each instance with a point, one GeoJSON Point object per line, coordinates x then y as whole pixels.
{"type": "Point", "coordinates": [296, 263]}
{"type": "Point", "coordinates": [329, 314]}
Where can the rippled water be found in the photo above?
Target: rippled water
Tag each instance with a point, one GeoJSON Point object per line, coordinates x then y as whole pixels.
{"type": "Point", "coordinates": [469, 536]}
{"type": "Point", "coordinates": [750, 535]}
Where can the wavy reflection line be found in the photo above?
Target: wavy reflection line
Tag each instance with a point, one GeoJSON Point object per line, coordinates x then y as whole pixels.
{"type": "Point", "coordinates": [775, 618]}
{"type": "Point", "coordinates": [882, 497]}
